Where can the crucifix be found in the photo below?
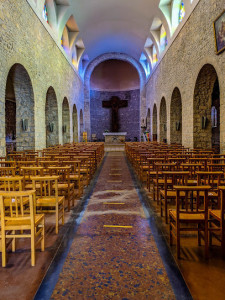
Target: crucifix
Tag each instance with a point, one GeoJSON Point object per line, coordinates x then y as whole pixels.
{"type": "Point", "coordinates": [115, 104]}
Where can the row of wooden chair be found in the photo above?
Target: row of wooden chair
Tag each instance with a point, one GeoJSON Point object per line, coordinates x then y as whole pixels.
{"type": "Point", "coordinates": [31, 189]}
{"type": "Point", "coordinates": [188, 189]}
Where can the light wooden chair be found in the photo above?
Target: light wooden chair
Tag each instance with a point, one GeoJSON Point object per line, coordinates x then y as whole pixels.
{"type": "Point", "coordinates": [168, 193]}
{"type": "Point", "coordinates": [65, 186]}
{"type": "Point", "coordinates": [47, 197]}
{"type": "Point", "coordinates": [20, 222]}
{"type": "Point", "coordinates": [187, 217]}
{"type": "Point", "coordinates": [217, 221]}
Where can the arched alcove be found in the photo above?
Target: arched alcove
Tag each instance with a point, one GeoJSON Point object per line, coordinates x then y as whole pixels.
{"type": "Point", "coordinates": [66, 121]}
{"type": "Point", "coordinates": [155, 124]}
{"type": "Point", "coordinates": [176, 117]}
{"type": "Point", "coordinates": [163, 121]}
{"type": "Point", "coordinates": [148, 121]}
{"type": "Point", "coordinates": [115, 78]}
{"type": "Point", "coordinates": [81, 125]}
{"type": "Point", "coordinates": [87, 90]}
{"type": "Point", "coordinates": [51, 118]}
{"type": "Point", "coordinates": [19, 110]}
{"type": "Point", "coordinates": [75, 124]}
{"type": "Point", "coordinates": [207, 109]}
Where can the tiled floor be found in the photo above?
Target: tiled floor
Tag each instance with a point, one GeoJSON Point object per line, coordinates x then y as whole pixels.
{"type": "Point", "coordinates": [114, 254]}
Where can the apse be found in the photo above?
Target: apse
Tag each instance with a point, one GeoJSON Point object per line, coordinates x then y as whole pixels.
{"type": "Point", "coordinates": [115, 78]}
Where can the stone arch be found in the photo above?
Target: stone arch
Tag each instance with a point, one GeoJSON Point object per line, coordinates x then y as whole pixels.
{"type": "Point", "coordinates": [148, 121]}
{"type": "Point", "coordinates": [176, 117]}
{"type": "Point", "coordinates": [51, 118]}
{"type": "Point", "coordinates": [87, 77]}
{"type": "Point", "coordinates": [81, 125]}
{"type": "Point", "coordinates": [163, 121]}
{"type": "Point", "coordinates": [206, 95]}
{"type": "Point", "coordinates": [66, 121]}
{"type": "Point", "coordinates": [19, 110]}
{"type": "Point", "coordinates": [155, 123]}
{"type": "Point", "coordinates": [75, 124]}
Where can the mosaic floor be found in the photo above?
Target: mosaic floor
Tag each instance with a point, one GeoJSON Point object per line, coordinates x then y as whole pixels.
{"type": "Point", "coordinates": [113, 254]}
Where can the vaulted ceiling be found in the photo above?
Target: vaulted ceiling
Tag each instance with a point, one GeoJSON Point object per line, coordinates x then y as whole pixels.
{"type": "Point", "coordinates": [141, 29]}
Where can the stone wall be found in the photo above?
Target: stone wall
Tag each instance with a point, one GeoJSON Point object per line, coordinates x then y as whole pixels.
{"type": "Point", "coordinates": [129, 117]}
{"type": "Point", "coordinates": [25, 41]}
{"type": "Point", "coordinates": [193, 48]}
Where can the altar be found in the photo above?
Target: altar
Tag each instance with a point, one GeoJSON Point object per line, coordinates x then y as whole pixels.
{"type": "Point", "coordinates": [114, 141]}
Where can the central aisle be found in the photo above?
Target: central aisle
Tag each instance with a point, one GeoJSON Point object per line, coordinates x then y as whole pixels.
{"type": "Point", "coordinates": [114, 255]}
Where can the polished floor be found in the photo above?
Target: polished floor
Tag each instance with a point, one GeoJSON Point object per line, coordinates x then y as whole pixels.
{"type": "Point", "coordinates": [115, 252]}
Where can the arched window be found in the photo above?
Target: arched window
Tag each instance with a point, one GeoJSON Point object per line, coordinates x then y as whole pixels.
{"type": "Point", "coordinates": [214, 116]}
{"type": "Point", "coordinates": [45, 13]}
{"type": "Point", "coordinates": [155, 58]}
{"type": "Point", "coordinates": [182, 11]}
{"type": "Point", "coordinates": [163, 39]}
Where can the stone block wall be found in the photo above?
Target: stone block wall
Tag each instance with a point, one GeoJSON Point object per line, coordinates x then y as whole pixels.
{"type": "Point", "coordinates": [24, 40]}
{"type": "Point", "coordinates": [193, 48]}
{"type": "Point", "coordinates": [129, 117]}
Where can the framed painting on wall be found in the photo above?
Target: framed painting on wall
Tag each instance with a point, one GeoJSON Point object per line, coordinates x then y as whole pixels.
{"type": "Point", "coordinates": [219, 32]}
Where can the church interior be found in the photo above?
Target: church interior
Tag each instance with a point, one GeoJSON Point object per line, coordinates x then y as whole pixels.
{"type": "Point", "coordinates": [112, 149]}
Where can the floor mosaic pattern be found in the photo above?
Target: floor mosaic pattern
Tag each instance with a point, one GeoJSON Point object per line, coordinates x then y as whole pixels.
{"type": "Point", "coordinates": [113, 254]}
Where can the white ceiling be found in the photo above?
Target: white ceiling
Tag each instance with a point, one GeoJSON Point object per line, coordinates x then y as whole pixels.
{"type": "Point", "coordinates": [114, 25]}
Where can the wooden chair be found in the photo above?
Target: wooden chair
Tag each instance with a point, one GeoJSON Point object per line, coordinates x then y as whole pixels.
{"type": "Point", "coordinates": [76, 177]}
{"type": "Point", "coordinates": [47, 197]}
{"type": "Point", "coordinates": [27, 173]}
{"type": "Point", "coordinates": [217, 221]}
{"type": "Point", "coordinates": [20, 222]}
{"type": "Point", "coordinates": [65, 186]}
{"type": "Point", "coordinates": [187, 217]}
{"type": "Point", "coordinates": [168, 193]}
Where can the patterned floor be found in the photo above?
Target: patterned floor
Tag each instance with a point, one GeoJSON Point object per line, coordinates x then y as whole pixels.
{"type": "Point", "coordinates": [113, 254]}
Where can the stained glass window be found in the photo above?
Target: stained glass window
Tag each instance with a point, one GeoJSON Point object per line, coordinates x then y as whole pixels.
{"type": "Point", "coordinates": [45, 13]}
{"type": "Point", "coordinates": [155, 58]}
{"type": "Point", "coordinates": [163, 39]}
{"type": "Point", "coordinates": [214, 116]}
{"type": "Point", "coordinates": [182, 12]}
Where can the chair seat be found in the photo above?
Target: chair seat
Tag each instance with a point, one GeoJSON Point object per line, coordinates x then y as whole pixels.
{"type": "Point", "coordinates": [49, 201]}
{"type": "Point", "coordinates": [64, 186]}
{"type": "Point", "coordinates": [162, 181]}
{"type": "Point", "coordinates": [12, 224]}
{"type": "Point", "coordinates": [30, 186]}
{"type": "Point", "coordinates": [192, 181]}
{"type": "Point", "coordinates": [75, 177]}
{"type": "Point", "coordinates": [171, 194]}
{"type": "Point", "coordinates": [187, 217]}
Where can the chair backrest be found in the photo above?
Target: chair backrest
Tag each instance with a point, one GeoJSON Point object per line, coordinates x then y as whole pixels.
{"type": "Point", "coordinates": [63, 172]}
{"type": "Point", "coordinates": [190, 202]}
{"type": "Point", "coordinates": [11, 183]}
{"type": "Point", "coordinates": [45, 186]}
{"type": "Point", "coordinates": [176, 178]}
{"type": "Point", "coordinates": [7, 171]}
{"type": "Point", "coordinates": [210, 178]}
{"type": "Point", "coordinates": [16, 201]}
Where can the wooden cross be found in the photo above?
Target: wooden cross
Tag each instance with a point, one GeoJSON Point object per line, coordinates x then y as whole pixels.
{"type": "Point", "coordinates": [115, 104]}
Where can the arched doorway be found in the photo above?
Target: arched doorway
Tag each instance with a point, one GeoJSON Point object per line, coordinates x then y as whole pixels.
{"type": "Point", "coordinates": [51, 118]}
{"type": "Point", "coordinates": [155, 126]}
{"type": "Point", "coordinates": [66, 121]}
{"type": "Point", "coordinates": [148, 121]}
{"type": "Point", "coordinates": [163, 121]}
{"type": "Point", "coordinates": [75, 124]}
{"type": "Point", "coordinates": [207, 109]}
{"type": "Point", "coordinates": [176, 117]}
{"type": "Point", "coordinates": [19, 110]}
{"type": "Point", "coordinates": [81, 125]}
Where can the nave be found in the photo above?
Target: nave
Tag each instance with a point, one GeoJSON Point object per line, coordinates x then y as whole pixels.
{"type": "Point", "coordinates": [114, 253]}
